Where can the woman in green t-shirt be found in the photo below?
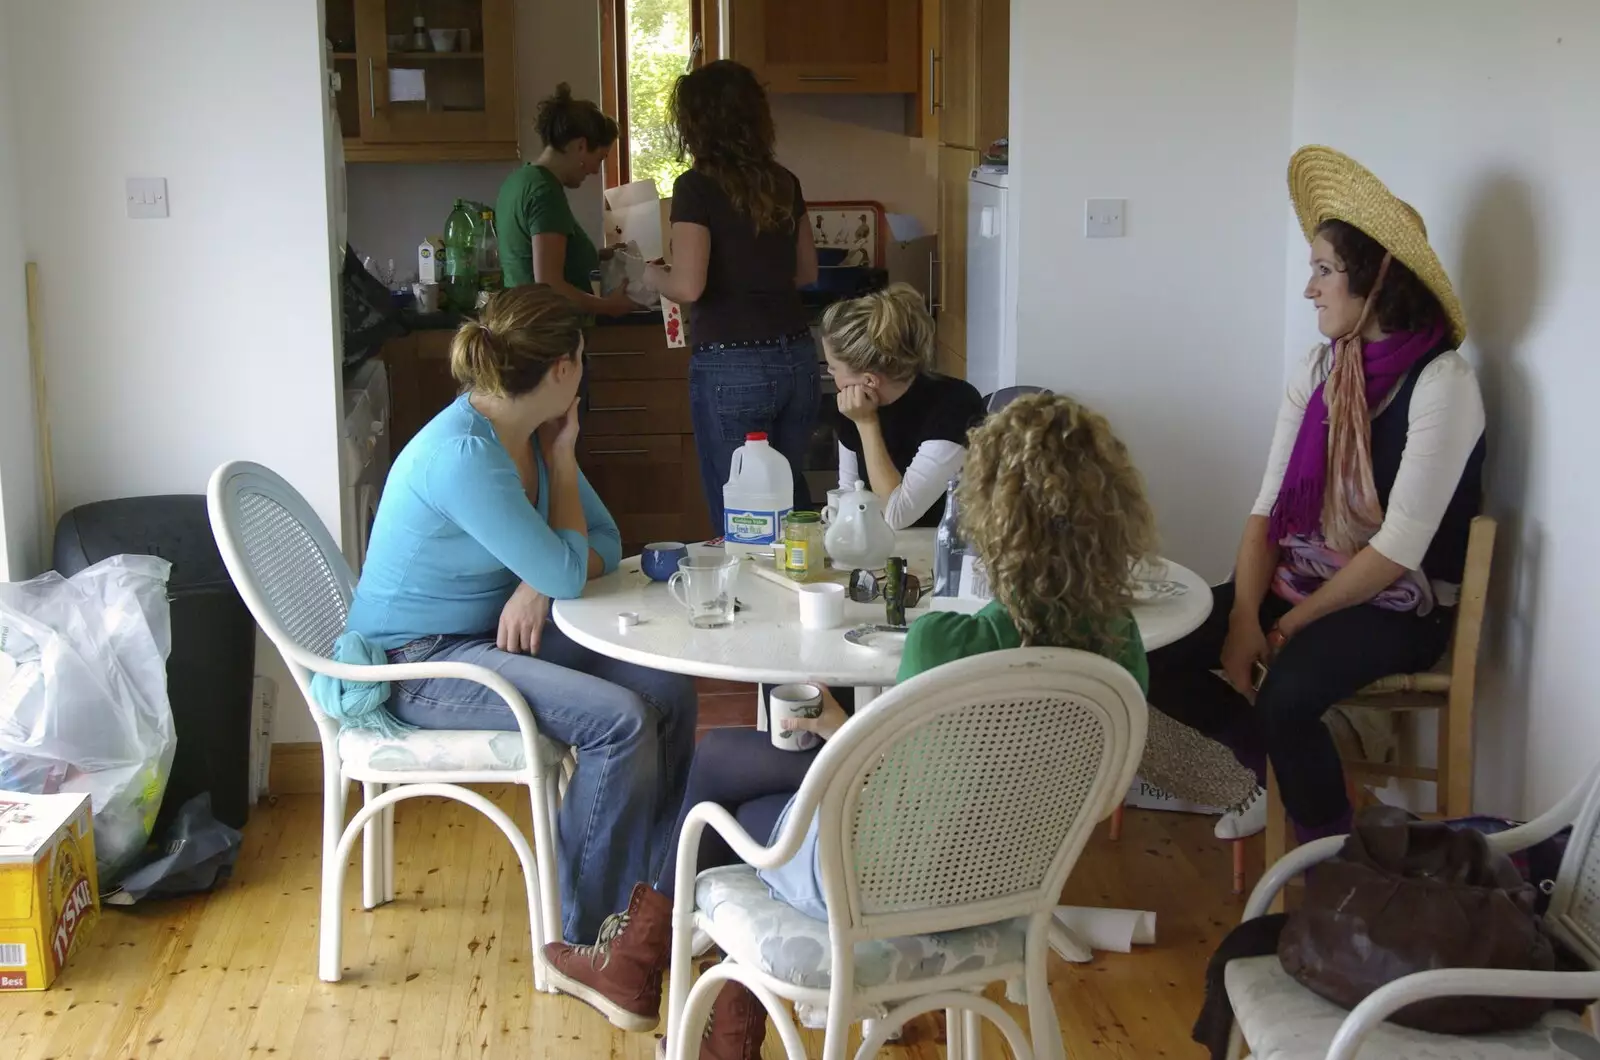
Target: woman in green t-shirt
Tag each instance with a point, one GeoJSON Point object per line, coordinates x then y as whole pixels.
{"type": "Point", "coordinates": [541, 240]}
{"type": "Point", "coordinates": [1054, 508]}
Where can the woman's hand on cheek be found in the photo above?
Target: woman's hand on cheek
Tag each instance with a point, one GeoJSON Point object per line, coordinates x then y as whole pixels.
{"type": "Point", "coordinates": [559, 436]}
{"type": "Point", "coordinates": [858, 403]}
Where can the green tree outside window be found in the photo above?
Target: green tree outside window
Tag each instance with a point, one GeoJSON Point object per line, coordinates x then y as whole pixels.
{"type": "Point", "coordinates": [660, 34]}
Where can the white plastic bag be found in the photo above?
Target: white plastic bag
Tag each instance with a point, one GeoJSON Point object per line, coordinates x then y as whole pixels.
{"type": "Point", "coordinates": [627, 265]}
{"type": "Point", "coordinates": [83, 695]}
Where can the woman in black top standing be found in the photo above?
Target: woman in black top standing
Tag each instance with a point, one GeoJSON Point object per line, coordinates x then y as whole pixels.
{"type": "Point", "coordinates": [741, 250]}
{"type": "Point", "coordinates": [902, 429]}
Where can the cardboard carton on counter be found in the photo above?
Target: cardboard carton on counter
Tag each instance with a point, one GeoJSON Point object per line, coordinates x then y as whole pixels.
{"type": "Point", "coordinates": [49, 891]}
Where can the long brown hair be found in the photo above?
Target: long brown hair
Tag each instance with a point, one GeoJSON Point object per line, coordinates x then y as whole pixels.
{"type": "Point", "coordinates": [723, 122]}
{"type": "Point", "coordinates": [1054, 507]}
{"type": "Point", "coordinates": [517, 337]}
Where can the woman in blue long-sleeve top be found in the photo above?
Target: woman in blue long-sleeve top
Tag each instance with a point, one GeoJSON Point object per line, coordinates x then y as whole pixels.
{"type": "Point", "coordinates": [484, 520]}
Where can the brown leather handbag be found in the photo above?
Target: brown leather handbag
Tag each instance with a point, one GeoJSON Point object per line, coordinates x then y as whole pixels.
{"type": "Point", "coordinates": [1406, 896]}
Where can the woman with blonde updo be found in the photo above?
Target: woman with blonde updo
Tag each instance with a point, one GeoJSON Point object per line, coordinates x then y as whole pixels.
{"type": "Point", "coordinates": [904, 425]}
{"type": "Point", "coordinates": [1055, 510]}
{"type": "Point", "coordinates": [484, 519]}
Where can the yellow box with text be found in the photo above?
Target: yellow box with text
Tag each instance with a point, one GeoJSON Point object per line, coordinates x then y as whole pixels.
{"type": "Point", "coordinates": [49, 890]}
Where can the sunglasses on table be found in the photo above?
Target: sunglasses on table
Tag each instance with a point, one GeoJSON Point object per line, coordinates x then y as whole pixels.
{"type": "Point", "coordinates": [866, 586]}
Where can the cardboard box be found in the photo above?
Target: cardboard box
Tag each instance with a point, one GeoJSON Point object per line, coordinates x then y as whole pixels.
{"type": "Point", "coordinates": [1147, 796]}
{"type": "Point", "coordinates": [49, 890]}
{"type": "Point", "coordinates": [430, 261]}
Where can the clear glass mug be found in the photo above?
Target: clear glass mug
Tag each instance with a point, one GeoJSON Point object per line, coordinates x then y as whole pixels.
{"type": "Point", "coordinates": [704, 585]}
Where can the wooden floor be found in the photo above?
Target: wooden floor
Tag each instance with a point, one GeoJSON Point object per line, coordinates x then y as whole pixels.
{"type": "Point", "coordinates": [444, 971]}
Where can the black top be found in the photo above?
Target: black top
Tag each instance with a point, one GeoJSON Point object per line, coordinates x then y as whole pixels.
{"type": "Point", "coordinates": [750, 293]}
{"type": "Point", "coordinates": [1446, 559]}
{"type": "Point", "coordinates": [937, 408]}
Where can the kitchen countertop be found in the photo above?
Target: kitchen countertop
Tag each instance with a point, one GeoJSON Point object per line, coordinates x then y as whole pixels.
{"type": "Point", "coordinates": [448, 320]}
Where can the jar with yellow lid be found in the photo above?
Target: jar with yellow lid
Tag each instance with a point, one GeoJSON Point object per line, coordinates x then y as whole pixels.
{"type": "Point", "coordinates": [801, 554]}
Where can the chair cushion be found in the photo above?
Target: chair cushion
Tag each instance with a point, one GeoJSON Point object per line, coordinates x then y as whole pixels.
{"type": "Point", "coordinates": [439, 750]}
{"type": "Point", "coordinates": [1282, 1020]}
{"type": "Point", "coordinates": [738, 911]}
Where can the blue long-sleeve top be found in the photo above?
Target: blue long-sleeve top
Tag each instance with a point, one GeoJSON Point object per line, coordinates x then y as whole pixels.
{"type": "Point", "coordinates": [455, 533]}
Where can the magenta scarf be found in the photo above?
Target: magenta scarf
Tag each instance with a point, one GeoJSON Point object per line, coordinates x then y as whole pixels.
{"type": "Point", "coordinates": [1300, 499]}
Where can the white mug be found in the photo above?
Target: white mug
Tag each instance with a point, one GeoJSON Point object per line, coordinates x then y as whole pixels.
{"type": "Point", "coordinates": [821, 605]}
{"type": "Point", "coordinates": [830, 511]}
{"type": "Point", "coordinates": [793, 701]}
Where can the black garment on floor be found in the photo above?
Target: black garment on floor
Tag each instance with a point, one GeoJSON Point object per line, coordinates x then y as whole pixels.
{"type": "Point", "coordinates": [1253, 938]}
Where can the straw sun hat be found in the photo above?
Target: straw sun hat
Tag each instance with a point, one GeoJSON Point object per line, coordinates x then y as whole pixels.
{"type": "Point", "coordinates": [1329, 186]}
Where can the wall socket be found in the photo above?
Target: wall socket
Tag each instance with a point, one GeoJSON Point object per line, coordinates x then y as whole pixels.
{"type": "Point", "coordinates": [147, 197]}
{"type": "Point", "coordinates": [1105, 218]}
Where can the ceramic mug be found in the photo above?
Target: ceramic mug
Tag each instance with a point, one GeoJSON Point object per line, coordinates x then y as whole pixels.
{"type": "Point", "coordinates": [793, 701]}
{"type": "Point", "coordinates": [831, 510]}
{"type": "Point", "coordinates": [660, 558]}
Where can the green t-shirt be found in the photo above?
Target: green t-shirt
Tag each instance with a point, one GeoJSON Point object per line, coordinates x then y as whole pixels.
{"type": "Point", "coordinates": [945, 636]}
{"type": "Point", "coordinates": [532, 202]}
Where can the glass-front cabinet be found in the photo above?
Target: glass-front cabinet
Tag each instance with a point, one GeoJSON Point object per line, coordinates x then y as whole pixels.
{"type": "Point", "coordinates": [425, 80]}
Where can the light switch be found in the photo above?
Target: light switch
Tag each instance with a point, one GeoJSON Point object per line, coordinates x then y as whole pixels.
{"type": "Point", "coordinates": [1104, 218]}
{"type": "Point", "coordinates": [147, 197]}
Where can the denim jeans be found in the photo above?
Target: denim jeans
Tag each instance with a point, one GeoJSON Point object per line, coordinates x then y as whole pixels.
{"type": "Point", "coordinates": [634, 732]}
{"type": "Point", "coordinates": [736, 390]}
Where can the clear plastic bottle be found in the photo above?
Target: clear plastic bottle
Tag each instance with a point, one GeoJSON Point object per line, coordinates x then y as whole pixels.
{"type": "Point", "coordinates": [420, 41]}
{"type": "Point", "coordinates": [488, 254]}
{"type": "Point", "coordinates": [948, 549]}
{"type": "Point", "coordinates": [460, 260]}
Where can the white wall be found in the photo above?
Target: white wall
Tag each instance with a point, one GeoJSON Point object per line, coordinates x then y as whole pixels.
{"type": "Point", "coordinates": [21, 518]}
{"type": "Point", "coordinates": [1175, 331]}
{"type": "Point", "coordinates": [856, 147]}
{"type": "Point", "coordinates": [176, 344]}
{"type": "Point", "coordinates": [1491, 131]}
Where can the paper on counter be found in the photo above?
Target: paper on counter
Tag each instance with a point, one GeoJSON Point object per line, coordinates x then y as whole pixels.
{"type": "Point", "coordinates": [1116, 930]}
{"type": "Point", "coordinates": [903, 228]}
{"type": "Point", "coordinates": [633, 215]}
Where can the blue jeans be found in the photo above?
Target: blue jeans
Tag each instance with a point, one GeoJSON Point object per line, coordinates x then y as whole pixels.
{"type": "Point", "coordinates": [736, 390]}
{"type": "Point", "coordinates": [634, 732]}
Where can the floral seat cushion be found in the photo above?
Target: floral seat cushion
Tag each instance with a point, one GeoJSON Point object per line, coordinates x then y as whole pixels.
{"type": "Point", "coordinates": [1282, 1020]}
{"type": "Point", "coordinates": [440, 749]}
{"type": "Point", "coordinates": [737, 910]}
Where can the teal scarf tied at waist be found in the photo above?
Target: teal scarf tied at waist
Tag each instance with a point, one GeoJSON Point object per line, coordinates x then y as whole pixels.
{"type": "Point", "coordinates": [357, 704]}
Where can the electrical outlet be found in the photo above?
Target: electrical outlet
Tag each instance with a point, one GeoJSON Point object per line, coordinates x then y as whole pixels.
{"type": "Point", "coordinates": [1105, 218]}
{"type": "Point", "coordinates": [147, 197]}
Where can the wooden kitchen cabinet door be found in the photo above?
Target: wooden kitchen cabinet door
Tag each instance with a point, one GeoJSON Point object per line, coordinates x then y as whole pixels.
{"type": "Point", "coordinates": [955, 170]}
{"type": "Point", "coordinates": [974, 83]}
{"type": "Point", "coordinates": [839, 46]}
{"type": "Point", "coordinates": [464, 97]}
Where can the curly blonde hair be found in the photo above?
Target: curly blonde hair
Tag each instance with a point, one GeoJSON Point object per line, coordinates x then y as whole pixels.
{"type": "Point", "coordinates": [1056, 511]}
{"type": "Point", "coordinates": [889, 332]}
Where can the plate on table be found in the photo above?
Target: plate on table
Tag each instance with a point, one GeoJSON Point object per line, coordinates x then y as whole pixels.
{"type": "Point", "coordinates": [1157, 590]}
{"type": "Point", "coordinates": [887, 640]}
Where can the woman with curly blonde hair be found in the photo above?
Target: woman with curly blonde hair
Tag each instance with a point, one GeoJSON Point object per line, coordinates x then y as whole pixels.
{"type": "Point", "coordinates": [1057, 513]}
{"type": "Point", "coordinates": [741, 251]}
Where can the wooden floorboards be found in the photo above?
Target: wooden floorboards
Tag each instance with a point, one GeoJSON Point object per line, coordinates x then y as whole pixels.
{"type": "Point", "coordinates": [444, 971]}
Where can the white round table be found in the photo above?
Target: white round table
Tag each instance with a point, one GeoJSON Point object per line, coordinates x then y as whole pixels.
{"type": "Point", "coordinates": [766, 644]}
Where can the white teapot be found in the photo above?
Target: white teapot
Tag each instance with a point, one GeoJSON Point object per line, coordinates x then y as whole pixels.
{"type": "Point", "coordinates": [859, 536]}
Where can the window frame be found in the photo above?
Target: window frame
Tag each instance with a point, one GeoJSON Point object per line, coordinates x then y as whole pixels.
{"type": "Point", "coordinates": [703, 23]}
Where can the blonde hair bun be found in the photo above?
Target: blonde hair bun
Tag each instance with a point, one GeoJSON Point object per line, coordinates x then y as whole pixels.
{"type": "Point", "coordinates": [517, 336]}
{"type": "Point", "coordinates": [888, 332]}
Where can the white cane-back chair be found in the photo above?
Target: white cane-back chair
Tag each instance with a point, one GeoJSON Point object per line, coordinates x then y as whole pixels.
{"type": "Point", "coordinates": [950, 812]}
{"type": "Point", "coordinates": [298, 586]}
{"type": "Point", "coordinates": [1281, 1020]}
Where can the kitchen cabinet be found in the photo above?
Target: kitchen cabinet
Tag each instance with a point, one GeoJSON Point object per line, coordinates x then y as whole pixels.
{"type": "Point", "coordinates": [400, 104]}
{"type": "Point", "coordinates": [971, 60]}
{"type": "Point", "coordinates": [834, 46]}
{"type": "Point", "coordinates": [637, 443]}
{"type": "Point", "coordinates": [955, 167]}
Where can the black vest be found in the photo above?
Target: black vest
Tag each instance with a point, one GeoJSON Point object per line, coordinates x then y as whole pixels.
{"type": "Point", "coordinates": [1446, 559]}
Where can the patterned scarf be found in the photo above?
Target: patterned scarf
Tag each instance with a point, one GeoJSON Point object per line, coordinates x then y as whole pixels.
{"type": "Point", "coordinates": [1334, 446]}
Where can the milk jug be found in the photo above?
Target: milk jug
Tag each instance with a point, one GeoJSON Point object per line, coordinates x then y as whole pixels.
{"type": "Point", "coordinates": [759, 493]}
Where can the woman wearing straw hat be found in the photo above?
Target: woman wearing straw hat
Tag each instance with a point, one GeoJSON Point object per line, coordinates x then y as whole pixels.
{"type": "Point", "coordinates": [1352, 558]}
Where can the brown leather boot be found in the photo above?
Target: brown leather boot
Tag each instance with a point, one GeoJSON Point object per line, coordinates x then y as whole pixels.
{"type": "Point", "coordinates": [620, 975]}
{"type": "Point", "coordinates": [735, 1030]}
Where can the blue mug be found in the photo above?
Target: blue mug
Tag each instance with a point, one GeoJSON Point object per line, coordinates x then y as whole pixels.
{"type": "Point", "coordinates": [660, 559]}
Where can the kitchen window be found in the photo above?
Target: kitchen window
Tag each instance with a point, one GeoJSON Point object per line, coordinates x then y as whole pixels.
{"type": "Point", "coordinates": [646, 46]}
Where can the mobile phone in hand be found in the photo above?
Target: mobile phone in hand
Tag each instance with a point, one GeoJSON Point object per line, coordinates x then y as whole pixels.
{"type": "Point", "coordinates": [1258, 674]}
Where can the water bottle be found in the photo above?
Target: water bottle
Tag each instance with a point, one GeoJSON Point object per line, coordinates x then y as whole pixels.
{"type": "Point", "coordinates": [948, 549]}
{"type": "Point", "coordinates": [488, 254]}
{"type": "Point", "coordinates": [460, 264]}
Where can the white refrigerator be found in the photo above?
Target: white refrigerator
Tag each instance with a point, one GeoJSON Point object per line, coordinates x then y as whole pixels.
{"type": "Point", "coordinates": [991, 344]}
